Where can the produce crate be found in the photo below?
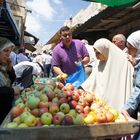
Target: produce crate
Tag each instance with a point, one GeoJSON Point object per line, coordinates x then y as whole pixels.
{"type": "Point", "coordinates": [73, 132]}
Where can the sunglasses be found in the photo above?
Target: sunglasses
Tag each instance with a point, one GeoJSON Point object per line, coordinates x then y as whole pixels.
{"type": "Point", "coordinates": [64, 36]}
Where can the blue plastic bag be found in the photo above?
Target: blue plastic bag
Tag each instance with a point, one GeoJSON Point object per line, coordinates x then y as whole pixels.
{"type": "Point", "coordinates": [77, 78]}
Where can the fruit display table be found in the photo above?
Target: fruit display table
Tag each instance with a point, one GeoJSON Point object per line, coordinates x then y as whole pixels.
{"type": "Point", "coordinates": [72, 132]}
{"type": "Point", "coordinates": [50, 110]}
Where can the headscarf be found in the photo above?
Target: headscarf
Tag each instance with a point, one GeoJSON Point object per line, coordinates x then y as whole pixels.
{"type": "Point", "coordinates": [111, 81]}
{"type": "Point", "coordinates": [5, 43]}
{"type": "Point", "coordinates": [134, 40]}
{"type": "Point", "coordinates": [4, 77]}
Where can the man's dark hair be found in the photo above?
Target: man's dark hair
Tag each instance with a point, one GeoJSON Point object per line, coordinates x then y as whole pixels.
{"type": "Point", "coordinates": [64, 28]}
{"type": "Point", "coordinates": [21, 50]}
{"type": "Point", "coordinates": [45, 51]}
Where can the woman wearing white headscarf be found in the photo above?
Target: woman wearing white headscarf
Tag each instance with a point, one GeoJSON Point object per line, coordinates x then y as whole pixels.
{"type": "Point", "coordinates": [133, 44]}
{"type": "Point", "coordinates": [131, 107]}
{"type": "Point", "coordinates": [7, 76]}
{"type": "Point", "coordinates": [112, 79]}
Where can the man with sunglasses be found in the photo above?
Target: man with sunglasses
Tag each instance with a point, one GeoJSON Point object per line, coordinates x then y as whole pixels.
{"type": "Point", "coordinates": [67, 53]}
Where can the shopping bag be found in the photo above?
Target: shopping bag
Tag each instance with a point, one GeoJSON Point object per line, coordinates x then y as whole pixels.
{"type": "Point", "coordinates": [77, 78]}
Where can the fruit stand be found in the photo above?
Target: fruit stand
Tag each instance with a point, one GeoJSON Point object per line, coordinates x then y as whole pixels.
{"type": "Point", "coordinates": [73, 132]}
{"type": "Point", "coordinates": [50, 110]}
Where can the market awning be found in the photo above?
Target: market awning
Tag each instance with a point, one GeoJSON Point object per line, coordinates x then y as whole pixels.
{"type": "Point", "coordinates": [8, 27]}
{"type": "Point", "coordinates": [30, 41]}
{"type": "Point", "coordinates": [116, 3]}
{"type": "Point", "coordinates": [30, 36]}
{"type": "Point", "coordinates": [109, 22]}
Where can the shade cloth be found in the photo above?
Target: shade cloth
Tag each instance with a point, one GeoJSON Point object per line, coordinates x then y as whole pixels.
{"type": "Point", "coordinates": [116, 3]}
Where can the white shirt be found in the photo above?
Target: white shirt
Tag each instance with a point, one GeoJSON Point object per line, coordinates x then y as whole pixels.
{"type": "Point", "coordinates": [46, 58]}
{"type": "Point", "coordinates": [22, 65]}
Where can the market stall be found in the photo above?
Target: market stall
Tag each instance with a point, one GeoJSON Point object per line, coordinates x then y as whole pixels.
{"type": "Point", "coordinates": [53, 111]}
{"type": "Point", "coordinates": [73, 132]}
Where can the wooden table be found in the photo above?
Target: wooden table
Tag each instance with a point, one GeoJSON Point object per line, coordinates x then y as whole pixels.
{"type": "Point", "coordinates": [73, 132]}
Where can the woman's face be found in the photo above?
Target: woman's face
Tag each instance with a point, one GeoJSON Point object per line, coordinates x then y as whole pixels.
{"type": "Point", "coordinates": [99, 56]}
{"type": "Point", "coordinates": [131, 50]}
{"type": "Point", "coordinates": [4, 54]}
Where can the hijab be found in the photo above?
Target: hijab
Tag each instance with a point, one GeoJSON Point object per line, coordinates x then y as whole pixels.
{"type": "Point", "coordinates": [5, 43]}
{"type": "Point", "coordinates": [4, 77]}
{"type": "Point", "coordinates": [111, 81]}
{"type": "Point", "coordinates": [134, 40]}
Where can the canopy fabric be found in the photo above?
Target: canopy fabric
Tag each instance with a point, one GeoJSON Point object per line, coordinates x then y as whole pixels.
{"type": "Point", "coordinates": [8, 26]}
{"type": "Point", "coordinates": [116, 3]}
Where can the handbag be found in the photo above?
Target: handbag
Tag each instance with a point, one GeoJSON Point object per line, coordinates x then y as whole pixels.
{"type": "Point", "coordinates": [77, 78]}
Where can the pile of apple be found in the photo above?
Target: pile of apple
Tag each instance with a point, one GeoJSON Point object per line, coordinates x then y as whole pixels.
{"type": "Point", "coordinates": [53, 104]}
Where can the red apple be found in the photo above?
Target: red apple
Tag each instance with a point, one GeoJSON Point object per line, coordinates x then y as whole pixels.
{"type": "Point", "coordinates": [64, 88]}
{"type": "Point", "coordinates": [69, 86]}
{"type": "Point", "coordinates": [63, 100]}
{"type": "Point", "coordinates": [57, 119]}
{"type": "Point", "coordinates": [109, 116]}
{"type": "Point", "coordinates": [101, 118]}
{"type": "Point", "coordinates": [50, 95]}
{"type": "Point", "coordinates": [86, 109]}
{"type": "Point", "coordinates": [35, 112]}
{"type": "Point", "coordinates": [79, 109]}
{"type": "Point", "coordinates": [67, 120]}
{"type": "Point", "coordinates": [73, 104]}
{"type": "Point", "coordinates": [69, 92]}
{"type": "Point", "coordinates": [60, 85]}
{"type": "Point", "coordinates": [88, 97]}
{"type": "Point", "coordinates": [54, 108]}
{"type": "Point", "coordinates": [61, 95]}
{"type": "Point", "coordinates": [42, 110]}
{"type": "Point", "coordinates": [75, 95]}
{"type": "Point", "coordinates": [16, 111]}
{"type": "Point", "coordinates": [82, 101]}
{"type": "Point", "coordinates": [43, 104]}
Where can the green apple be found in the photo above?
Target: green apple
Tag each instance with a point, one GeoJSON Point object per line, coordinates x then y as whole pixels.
{"type": "Point", "coordinates": [12, 125]}
{"type": "Point", "coordinates": [79, 119]}
{"type": "Point", "coordinates": [22, 125]}
{"type": "Point", "coordinates": [72, 112]}
{"type": "Point", "coordinates": [46, 118]}
{"type": "Point", "coordinates": [17, 120]}
{"type": "Point", "coordinates": [65, 108]}
{"type": "Point", "coordinates": [33, 102]}
{"type": "Point", "coordinates": [24, 115]}
{"type": "Point", "coordinates": [19, 100]}
{"type": "Point", "coordinates": [30, 121]}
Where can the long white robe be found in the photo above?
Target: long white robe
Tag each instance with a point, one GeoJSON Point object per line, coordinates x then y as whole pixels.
{"type": "Point", "coordinates": [112, 80]}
